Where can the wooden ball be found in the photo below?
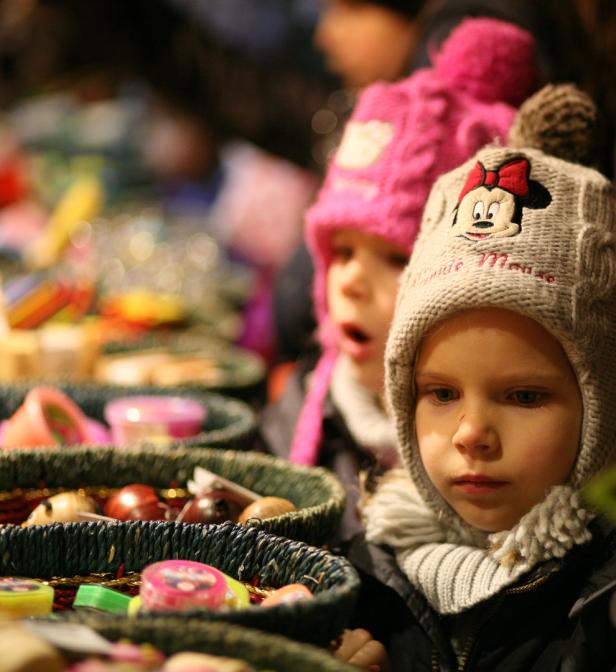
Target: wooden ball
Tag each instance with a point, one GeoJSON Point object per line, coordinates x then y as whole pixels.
{"type": "Point", "coordinates": [266, 507]}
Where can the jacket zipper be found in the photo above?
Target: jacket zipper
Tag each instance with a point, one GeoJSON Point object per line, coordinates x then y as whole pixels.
{"type": "Point", "coordinates": [468, 646]}
{"type": "Point", "coordinates": [434, 661]}
{"type": "Point", "coordinates": [527, 586]}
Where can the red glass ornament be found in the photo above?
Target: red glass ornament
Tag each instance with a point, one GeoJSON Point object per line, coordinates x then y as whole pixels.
{"type": "Point", "coordinates": [136, 502]}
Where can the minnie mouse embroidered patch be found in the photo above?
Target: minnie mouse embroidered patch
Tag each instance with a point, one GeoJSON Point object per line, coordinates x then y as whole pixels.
{"type": "Point", "coordinates": [491, 202]}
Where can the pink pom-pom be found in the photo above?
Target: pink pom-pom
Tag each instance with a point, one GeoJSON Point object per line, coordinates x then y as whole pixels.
{"type": "Point", "coordinates": [490, 60]}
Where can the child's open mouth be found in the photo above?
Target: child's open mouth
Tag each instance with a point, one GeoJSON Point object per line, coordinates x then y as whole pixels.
{"type": "Point", "coordinates": [354, 341]}
{"type": "Point", "coordinates": [355, 333]}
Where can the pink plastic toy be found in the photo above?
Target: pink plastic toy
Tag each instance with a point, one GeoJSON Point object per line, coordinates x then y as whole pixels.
{"type": "Point", "coordinates": [47, 417]}
{"type": "Point", "coordinates": [154, 417]}
{"type": "Point", "coordinates": [178, 585]}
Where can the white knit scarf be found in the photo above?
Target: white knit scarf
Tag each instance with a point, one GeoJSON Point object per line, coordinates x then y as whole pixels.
{"type": "Point", "coordinates": [459, 567]}
{"type": "Point", "coordinates": [366, 421]}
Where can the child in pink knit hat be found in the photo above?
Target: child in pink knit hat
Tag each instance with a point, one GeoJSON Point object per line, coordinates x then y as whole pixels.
{"type": "Point", "coordinates": [361, 230]}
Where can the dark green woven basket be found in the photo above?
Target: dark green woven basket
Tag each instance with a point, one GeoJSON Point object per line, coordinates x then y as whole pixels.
{"type": "Point", "coordinates": [229, 423]}
{"type": "Point", "coordinates": [316, 492]}
{"type": "Point", "coordinates": [263, 651]}
{"type": "Point", "coordinates": [243, 371]}
{"type": "Point", "coordinates": [79, 549]}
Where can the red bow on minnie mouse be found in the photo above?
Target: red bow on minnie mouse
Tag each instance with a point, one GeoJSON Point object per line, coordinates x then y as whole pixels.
{"type": "Point", "coordinates": [511, 176]}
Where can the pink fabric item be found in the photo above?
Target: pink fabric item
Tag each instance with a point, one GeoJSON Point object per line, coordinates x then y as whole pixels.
{"type": "Point", "coordinates": [305, 448]}
{"type": "Point", "coordinates": [400, 138]}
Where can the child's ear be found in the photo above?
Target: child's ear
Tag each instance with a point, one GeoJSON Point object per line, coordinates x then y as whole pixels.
{"type": "Point", "coordinates": [538, 197]}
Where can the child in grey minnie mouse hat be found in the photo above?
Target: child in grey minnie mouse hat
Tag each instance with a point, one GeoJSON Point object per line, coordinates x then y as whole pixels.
{"type": "Point", "coordinates": [501, 376]}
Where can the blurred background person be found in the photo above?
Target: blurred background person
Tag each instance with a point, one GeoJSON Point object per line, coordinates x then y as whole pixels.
{"type": "Point", "coordinates": [365, 42]}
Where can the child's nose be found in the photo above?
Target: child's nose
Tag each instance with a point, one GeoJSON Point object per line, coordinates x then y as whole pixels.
{"type": "Point", "coordinates": [476, 434]}
{"type": "Point", "coordinates": [355, 280]}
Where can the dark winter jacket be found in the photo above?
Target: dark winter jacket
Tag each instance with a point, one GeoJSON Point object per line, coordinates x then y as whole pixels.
{"type": "Point", "coordinates": [557, 617]}
{"type": "Point", "coordinates": [338, 452]}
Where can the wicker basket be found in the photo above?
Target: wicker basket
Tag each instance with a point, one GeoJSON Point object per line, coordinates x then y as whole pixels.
{"type": "Point", "coordinates": [245, 553]}
{"type": "Point", "coordinates": [172, 635]}
{"type": "Point", "coordinates": [230, 423]}
{"type": "Point", "coordinates": [243, 372]}
{"type": "Point", "coordinates": [317, 493]}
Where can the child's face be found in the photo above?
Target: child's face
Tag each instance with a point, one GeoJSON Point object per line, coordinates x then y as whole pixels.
{"type": "Point", "coordinates": [498, 415]}
{"type": "Point", "coordinates": [362, 281]}
{"type": "Point", "coordinates": [364, 42]}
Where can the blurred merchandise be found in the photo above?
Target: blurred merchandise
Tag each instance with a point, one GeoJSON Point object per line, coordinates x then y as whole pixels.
{"type": "Point", "coordinates": [55, 351]}
{"type": "Point", "coordinates": [186, 359]}
{"type": "Point", "coordinates": [107, 230]}
{"type": "Point", "coordinates": [153, 418]}
{"type": "Point", "coordinates": [259, 214]}
{"type": "Point", "coordinates": [32, 299]}
{"type": "Point", "coordinates": [80, 203]}
{"type": "Point", "coordinates": [20, 598]}
{"type": "Point", "coordinates": [65, 137]}
{"type": "Point", "coordinates": [101, 599]}
{"type": "Point", "coordinates": [48, 418]}
{"type": "Point", "coordinates": [60, 646]}
{"type": "Point", "coordinates": [14, 182]}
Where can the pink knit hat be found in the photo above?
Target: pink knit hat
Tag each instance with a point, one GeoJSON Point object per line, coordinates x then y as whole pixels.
{"type": "Point", "coordinates": [400, 138]}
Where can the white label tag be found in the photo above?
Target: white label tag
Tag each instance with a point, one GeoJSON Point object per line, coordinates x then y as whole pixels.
{"type": "Point", "coordinates": [205, 481]}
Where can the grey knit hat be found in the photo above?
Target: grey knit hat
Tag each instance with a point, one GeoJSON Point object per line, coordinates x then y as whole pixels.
{"type": "Point", "coordinates": [520, 229]}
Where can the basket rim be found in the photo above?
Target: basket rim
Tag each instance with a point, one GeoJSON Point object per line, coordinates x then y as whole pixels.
{"type": "Point", "coordinates": [335, 493]}
{"type": "Point", "coordinates": [242, 415]}
{"type": "Point", "coordinates": [258, 538]}
{"type": "Point", "coordinates": [238, 634]}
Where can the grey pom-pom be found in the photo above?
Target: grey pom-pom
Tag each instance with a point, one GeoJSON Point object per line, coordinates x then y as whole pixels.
{"type": "Point", "coordinates": [560, 120]}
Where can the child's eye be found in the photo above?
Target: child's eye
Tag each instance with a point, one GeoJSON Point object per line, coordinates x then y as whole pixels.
{"type": "Point", "coordinates": [397, 260]}
{"type": "Point", "coordinates": [342, 252]}
{"type": "Point", "coordinates": [443, 395]}
{"type": "Point", "coordinates": [527, 397]}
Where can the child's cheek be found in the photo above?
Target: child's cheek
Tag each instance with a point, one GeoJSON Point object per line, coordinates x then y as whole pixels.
{"type": "Point", "coordinates": [431, 434]}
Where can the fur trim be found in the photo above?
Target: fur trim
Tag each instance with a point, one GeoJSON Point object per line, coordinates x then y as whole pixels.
{"type": "Point", "coordinates": [368, 424]}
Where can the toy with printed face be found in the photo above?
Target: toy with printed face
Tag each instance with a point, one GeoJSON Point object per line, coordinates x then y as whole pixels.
{"type": "Point", "coordinates": [65, 507]}
{"type": "Point", "coordinates": [188, 578]}
{"type": "Point", "coordinates": [491, 201]}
